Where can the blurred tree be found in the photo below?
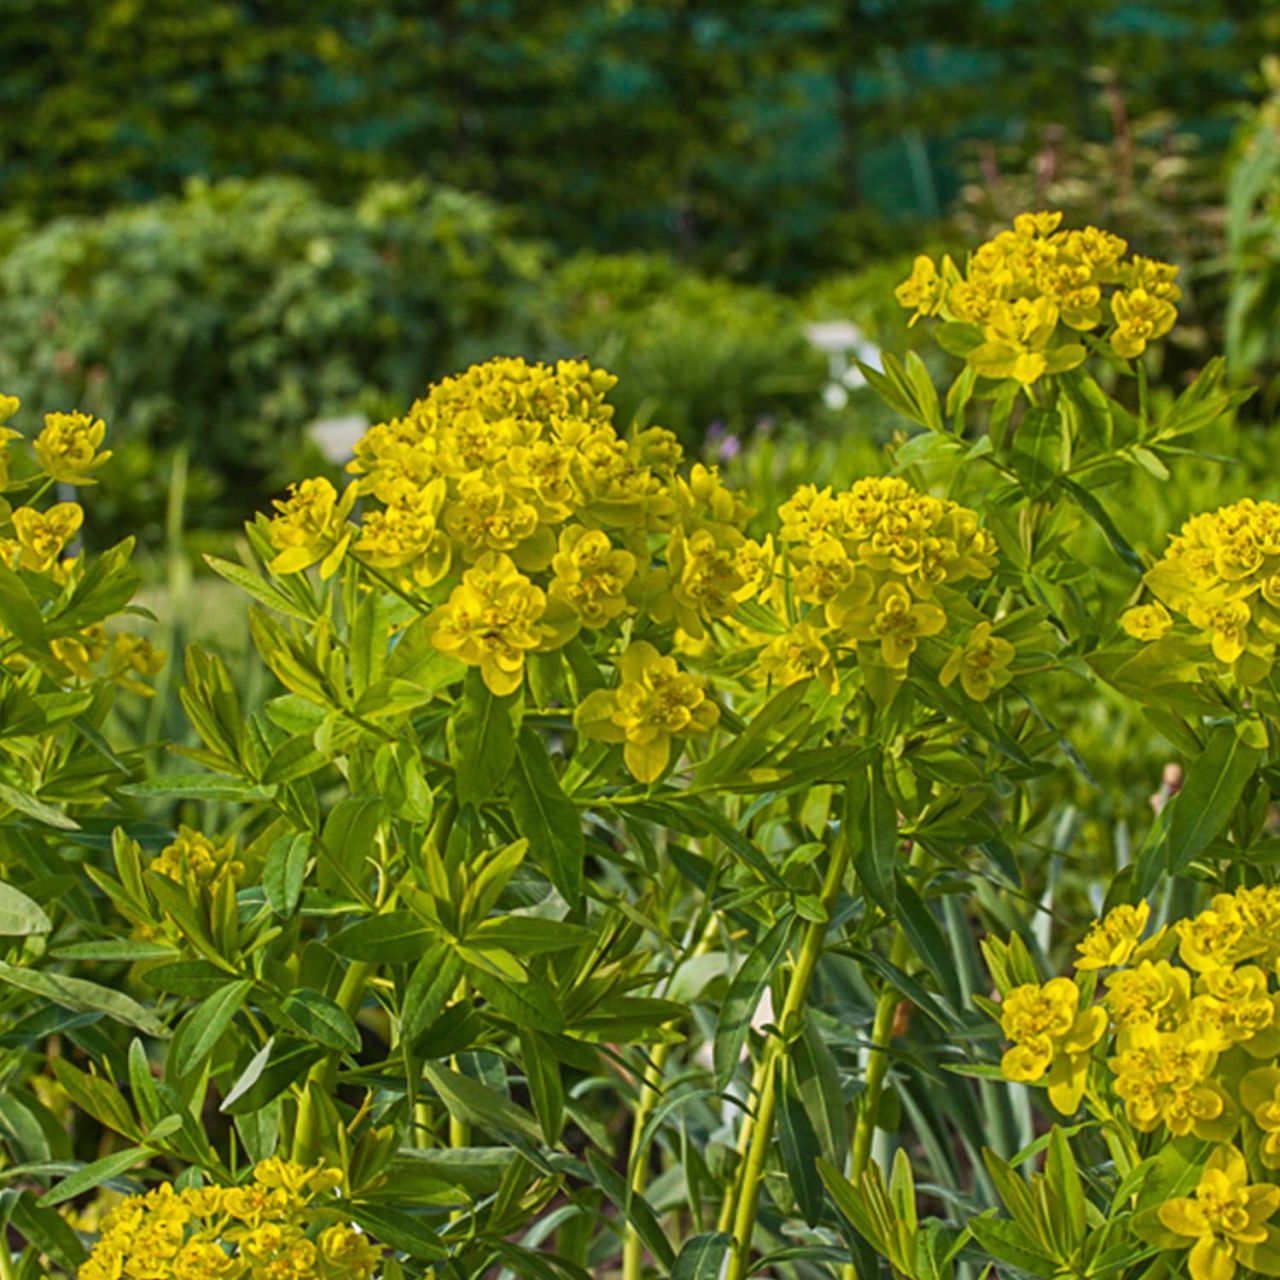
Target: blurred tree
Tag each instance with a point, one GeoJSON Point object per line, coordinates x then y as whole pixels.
{"type": "Point", "coordinates": [770, 137]}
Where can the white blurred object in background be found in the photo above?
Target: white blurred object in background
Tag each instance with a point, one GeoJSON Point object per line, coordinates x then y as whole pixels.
{"type": "Point", "coordinates": [336, 437]}
{"type": "Point", "coordinates": [839, 340]}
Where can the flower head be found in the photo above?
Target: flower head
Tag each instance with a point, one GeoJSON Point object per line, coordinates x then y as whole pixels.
{"type": "Point", "coordinates": [654, 702]}
{"type": "Point", "coordinates": [311, 527]}
{"type": "Point", "coordinates": [67, 447]}
{"type": "Point", "coordinates": [982, 663]}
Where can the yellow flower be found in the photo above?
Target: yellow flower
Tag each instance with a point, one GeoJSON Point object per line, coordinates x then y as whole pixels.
{"type": "Point", "coordinates": [1050, 1033]}
{"type": "Point", "coordinates": [1224, 1222]}
{"type": "Point", "coordinates": [654, 702]}
{"type": "Point", "coordinates": [1147, 621]}
{"type": "Point", "coordinates": [1260, 1097]}
{"type": "Point", "coordinates": [1152, 992]}
{"type": "Point", "coordinates": [78, 653]}
{"type": "Point", "coordinates": [800, 654]}
{"type": "Point", "coordinates": [923, 290]}
{"type": "Point", "coordinates": [1141, 317]}
{"type": "Point", "coordinates": [1233, 1006]}
{"type": "Point", "coordinates": [404, 533]}
{"type": "Point", "coordinates": [311, 527]}
{"type": "Point", "coordinates": [1212, 939]}
{"type": "Point", "coordinates": [1016, 342]}
{"type": "Point", "coordinates": [495, 617]}
{"type": "Point", "coordinates": [133, 657]}
{"type": "Point", "coordinates": [42, 537]}
{"type": "Point", "coordinates": [896, 621]}
{"type": "Point", "coordinates": [1165, 1077]}
{"type": "Point", "coordinates": [9, 405]}
{"type": "Point", "coordinates": [66, 448]}
{"type": "Point", "coordinates": [705, 581]}
{"type": "Point", "coordinates": [591, 576]}
{"type": "Point", "coordinates": [982, 663]}
{"type": "Point", "coordinates": [1226, 623]}
{"type": "Point", "coordinates": [1113, 940]}
{"type": "Point", "coordinates": [193, 859]}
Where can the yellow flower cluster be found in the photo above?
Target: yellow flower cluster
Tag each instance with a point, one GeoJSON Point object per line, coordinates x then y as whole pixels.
{"type": "Point", "coordinates": [275, 1227]}
{"type": "Point", "coordinates": [195, 860]}
{"type": "Point", "coordinates": [1185, 1038]}
{"type": "Point", "coordinates": [511, 482]}
{"type": "Point", "coordinates": [1029, 289]}
{"type": "Point", "coordinates": [868, 563]}
{"type": "Point", "coordinates": [507, 505]}
{"type": "Point", "coordinates": [1221, 575]}
{"type": "Point", "coordinates": [67, 449]}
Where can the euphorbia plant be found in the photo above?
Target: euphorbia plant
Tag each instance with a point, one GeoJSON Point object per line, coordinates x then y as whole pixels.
{"type": "Point", "coordinates": [573, 758]}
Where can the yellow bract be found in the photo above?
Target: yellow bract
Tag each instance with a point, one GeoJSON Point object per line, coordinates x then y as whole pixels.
{"type": "Point", "coordinates": [1052, 1035]}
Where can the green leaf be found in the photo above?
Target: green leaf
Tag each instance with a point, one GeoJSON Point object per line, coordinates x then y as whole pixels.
{"type": "Point", "coordinates": [800, 1153]}
{"type": "Point", "coordinates": [928, 940]}
{"type": "Point", "coordinates": [1037, 449]}
{"type": "Point", "coordinates": [205, 1026]}
{"type": "Point", "coordinates": [81, 996]}
{"type": "Point", "coordinates": [546, 816]}
{"type": "Point", "coordinates": [482, 739]}
{"type": "Point", "coordinates": [481, 1106]}
{"type": "Point", "coordinates": [1212, 789]}
{"type": "Point", "coordinates": [401, 1230]}
{"type": "Point", "coordinates": [1008, 1242]}
{"type": "Point", "coordinates": [37, 809]}
{"type": "Point", "coordinates": [285, 871]}
{"type": "Point", "coordinates": [430, 988]}
{"type": "Point", "coordinates": [198, 786]}
{"type": "Point", "coordinates": [19, 612]}
{"type": "Point", "coordinates": [744, 995]}
{"type": "Point", "coordinates": [871, 823]}
{"type": "Point", "coordinates": [637, 1210]}
{"type": "Point", "coordinates": [20, 916]}
{"type": "Point", "coordinates": [260, 589]}
{"type": "Point", "coordinates": [702, 1258]}
{"type": "Point", "coordinates": [92, 1175]}
{"type": "Point", "coordinates": [397, 937]}
{"type": "Point", "coordinates": [542, 1074]}
{"type": "Point", "coordinates": [48, 1230]}
{"type": "Point", "coordinates": [320, 1018]}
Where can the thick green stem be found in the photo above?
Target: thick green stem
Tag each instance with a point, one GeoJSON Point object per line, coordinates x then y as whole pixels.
{"type": "Point", "coordinates": [324, 1075]}
{"type": "Point", "coordinates": [742, 1206]}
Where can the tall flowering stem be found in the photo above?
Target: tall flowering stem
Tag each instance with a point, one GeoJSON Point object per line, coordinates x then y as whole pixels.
{"type": "Point", "coordinates": [764, 1084]}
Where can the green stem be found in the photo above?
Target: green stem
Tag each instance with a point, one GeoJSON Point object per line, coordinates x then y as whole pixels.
{"type": "Point", "coordinates": [647, 1103]}
{"type": "Point", "coordinates": [741, 1207]}
{"type": "Point", "coordinates": [324, 1074]}
{"type": "Point", "coordinates": [877, 1060]}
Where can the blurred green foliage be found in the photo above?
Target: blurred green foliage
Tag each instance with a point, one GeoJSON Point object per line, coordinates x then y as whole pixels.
{"type": "Point", "coordinates": [770, 138]}
{"type": "Point", "coordinates": [224, 321]}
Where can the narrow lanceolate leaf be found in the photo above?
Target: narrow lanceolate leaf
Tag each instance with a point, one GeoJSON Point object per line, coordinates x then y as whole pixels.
{"type": "Point", "coordinates": [927, 940]}
{"type": "Point", "coordinates": [321, 1019]}
{"type": "Point", "coordinates": [481, 1106]}
{"type": "Point", "coordinates": [546, 816]}
{"type": "Point", "coordinates": [20, 916]}
{"type": "Point", "coordinates": [401, 1230]}
{"type": "Point", "coordinates": [702, 1257]}
{"type": "Point", "coordinates": [800, 1154]}
{"type": "Point", "coordinates": [744, 996]}
{"type": "Point", "coordinates": [207, 1025]}
{"type": "Point", "coordinates": [93, 1175]}
{"type": "Point", "coordinates": [639, 1212]}
{"type": "Point", "coordinates": [81, 996]}
{"type": "Point", "coordinates": [394, 938]}
{"type": "Point", "coordinates": [1209, 795]}
{"type": "Point", "coordinates": [482, 739]}
{"type": "Point", "coordinates": [872, 831]}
